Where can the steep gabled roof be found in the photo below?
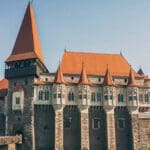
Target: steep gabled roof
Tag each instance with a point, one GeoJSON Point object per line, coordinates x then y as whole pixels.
{"type": "Point", "coordinates": [83, 77]}
{"type": "Point", "coordinates": [95, 64]}
{"type": "Point", "coordinates": [59, 78]}
{"type": "Point", "coordinates": [108, 78]}
{"type": "Point", "coordinates": [132, 81]}
{"type": "Point", "coordinates": [27, 44]}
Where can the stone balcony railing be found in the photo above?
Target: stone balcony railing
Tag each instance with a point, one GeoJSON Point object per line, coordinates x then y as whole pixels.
{"type": "Point", "coordinates": [5, 140]}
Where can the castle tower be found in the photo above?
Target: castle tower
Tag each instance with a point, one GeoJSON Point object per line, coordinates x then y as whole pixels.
{"type": "Point", "coordinates": [23, 66]}
{"type": "Point", "coordinates": [58, 102]}
{"type": "Point", "coordinates": [83, 87]}
{"type": "Point", "coordinates": [109, 103]}
{"type": "Point", "coordinates": [133, 103]}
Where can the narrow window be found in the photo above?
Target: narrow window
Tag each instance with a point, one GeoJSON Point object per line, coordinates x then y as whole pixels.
{"type": "Point", "coordinates": [59, 95]}
{"type": "Point", "coordinates": [120, 97]}
{"type": "Point", "coordinates": [146, 98]}
{"type": "Point", "coordinates": [46, 95]}
{"type": "Point", "coordinates": [17, 100]}
{"type": "Point", "coordinates": [121, 124]}
{"type": "Point", "coordinates": [96, 123]}
{"type": "Point", "coordinates": [106, 97]}
{"type": "Point", "coordinates": [98, 96]}
{"type": "Point", "coordinates": [130, 98]}
{"type": "Point", "coordinates": [93, 98]}
{"type": "Point", "coordinates": [80, 96]}
{"type": "Point", "coordinates": [67, 123]}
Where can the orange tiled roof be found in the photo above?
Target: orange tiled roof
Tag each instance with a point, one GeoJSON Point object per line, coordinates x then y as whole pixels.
{"type": "Point", "coordinates": [3, 87]}
{"type": "Point", "coordinates": [27, 44]}
{"type": "Point", "coordinates": [3, 84]}
{"type": "Point", "coordinates": [108, 78]}
{"type": "Point", "coordinates": [59, 76]}
{"type": "Point", "coordinates": [96, 64]}
{"type": "Point", "coordinates": [83, 78]}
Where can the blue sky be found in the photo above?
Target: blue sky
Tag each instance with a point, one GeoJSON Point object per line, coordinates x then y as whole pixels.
{"type": "Point", "coordinates": [105, 26]}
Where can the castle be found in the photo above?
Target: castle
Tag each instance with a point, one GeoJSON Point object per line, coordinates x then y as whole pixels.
{"type": "Point", "coordinates": [92, 102]}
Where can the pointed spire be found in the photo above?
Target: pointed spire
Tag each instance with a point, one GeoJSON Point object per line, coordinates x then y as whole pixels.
{"type": "Point", "coordinates": [83, 77]}
{"type": "Point", "coordinates": [140, 72]}
{"type": "Point", "coordinates": [108, 78]}
{"type": "Point", "coordinates": [59, 78]}
{"type": "Point", "coordinates": [27, 44]}
{"type": "Point", "coordinates": [132, 81]}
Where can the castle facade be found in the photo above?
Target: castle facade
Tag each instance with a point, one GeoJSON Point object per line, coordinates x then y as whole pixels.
{"type": "Point", "coordinates": [94, 101]}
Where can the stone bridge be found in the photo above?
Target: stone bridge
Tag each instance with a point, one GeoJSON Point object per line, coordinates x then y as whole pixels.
{"type": "Point", "coordinates": [9, 142]}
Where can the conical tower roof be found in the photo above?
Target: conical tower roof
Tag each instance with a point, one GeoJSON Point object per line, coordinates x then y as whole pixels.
{"type": "Point", "coordinates": [140, 72]}
{"type": "Point", "coordinates": [132, 81]}
{"type": "Point", "coordinates": [83, 78]}
{"type": "Point", "coordinates": [108, 78]}
{"type": "Point", "coordinates": [27, 44]}
{"type": "Point", "coordinates": [59, 78]}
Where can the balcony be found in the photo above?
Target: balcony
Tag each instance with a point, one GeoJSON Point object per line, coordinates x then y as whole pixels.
{"type": "Point", "coordinates": [21, 72]}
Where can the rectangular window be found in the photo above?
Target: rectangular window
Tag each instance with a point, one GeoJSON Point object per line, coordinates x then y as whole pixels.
{"type": "Point", "coordinates": [17, 100]}
{"type": "Point", "coordinates": [130, 98]}
{"type": "Point", "coordinates": [134, 97]}
{"type": "Point", "coordinates": [106, 97]}
{"type": "Point", "coordinates": [93, 97]}
{"type": "Point", "coordinates": [80, 96]}
{"type": "Point", "coordinates": [146, 98]}
{"type": "Point", "coordinates": [67, 123]}
{"type": "Point", "coordinates": [46, 95]}
{"type": "Point", "coordinates": [121, 123]}
{"type": "Point", "coordinates": [55, 96]}
{"type": "Point", "coordinates": [59, 95]}
{"type": "Point", "coordinates": [111, 97]}
{"type": "Point", "coordinates": [98, 96]}
{"type": "Point", "coordinates": [85, 96]}
{"type": "Point", "coordinates": [141, 97]}
{"type": "Point", "coordinates": [120, 97]}
{"type": "Point", "coordinates": [96, 123]}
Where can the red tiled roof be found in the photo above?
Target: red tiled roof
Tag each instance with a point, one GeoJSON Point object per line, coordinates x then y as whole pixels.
{"type": "Point", "coordinates": [27, 44]}
{"type": "Point", "coordinates": [83, 78]}
{"type": "Point", "coordinates": [108, 78]}
{"type": "Point", "coordinates": [96, 64]}
{"type": "Point", "coordinates": [3, 87]}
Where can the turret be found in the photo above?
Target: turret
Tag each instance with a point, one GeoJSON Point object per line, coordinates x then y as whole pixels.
{"type": "Point", "coordinates": [59, 88]}
{"type": "Point", "coordinates": [108, 89]}
{"type": "Point", "coordinates": [132, 90]}
{"type": "Point", "coordinates": [83, 87]}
